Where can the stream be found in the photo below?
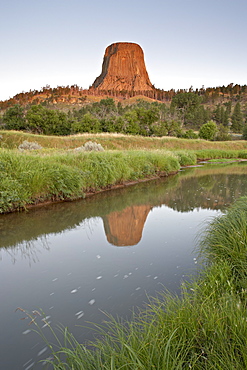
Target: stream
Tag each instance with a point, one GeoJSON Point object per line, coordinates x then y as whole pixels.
{"type": "Point", "coordinates": [79, 262]}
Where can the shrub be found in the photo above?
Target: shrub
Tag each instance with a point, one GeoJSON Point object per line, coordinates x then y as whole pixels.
{"type": "Point", "coordinates": [223, 134]}
{"type": "Point", "coordinates": [189, 134]}
{"type": "Point", "coordinates": [14, 119]}
{"type": "Point", "coordinates": [27, 145]}
{"type": "Point", "coordinates": [90, 146]}
{"type": "Point", "coordinates": [208, 131]}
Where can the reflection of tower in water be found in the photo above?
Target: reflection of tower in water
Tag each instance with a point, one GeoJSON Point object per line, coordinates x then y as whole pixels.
{"type": "Point", "coordinates": [124, 228]}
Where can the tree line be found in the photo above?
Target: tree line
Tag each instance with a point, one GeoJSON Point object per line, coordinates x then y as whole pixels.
{"type": "Point", "coordinates": [185, 114]}
{"type": "Point", "coordinates": [66, 93]}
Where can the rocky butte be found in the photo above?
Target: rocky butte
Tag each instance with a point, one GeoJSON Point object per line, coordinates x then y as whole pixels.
{"type": "Point", "coordinates": [123, 69]}
{"type": "Point", "coordinates": [124, 228]}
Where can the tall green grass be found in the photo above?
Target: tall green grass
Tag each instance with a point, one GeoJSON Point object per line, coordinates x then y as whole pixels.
{"type": "Point", "coordinates": [186, 157]}
{"type": "Point", "coordinates": [218, 153]}
{"type": "Point", "coordinates": [30, 178]}
{"type": "Point", "coordinates": [226, 240]}
{"type": "Point", "coordinates": [205, 328]}
{"type": "Point", "coordinates": [50, 175]}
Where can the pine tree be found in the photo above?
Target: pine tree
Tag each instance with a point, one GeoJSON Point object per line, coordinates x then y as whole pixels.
{"type": "Point", "coordinates": [217, 114]}
{"type": "Point", "coordinates": [14, 119]}
{"type": "Point", "coordinates": [228, 106]}
{"type": "Point", "coordinates": [225, 119]}
{"type": "Point", "coordinates": [237, 119]}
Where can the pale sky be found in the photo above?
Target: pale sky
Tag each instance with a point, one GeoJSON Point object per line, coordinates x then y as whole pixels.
{"type": "Point", "coordinates": [62, 42]}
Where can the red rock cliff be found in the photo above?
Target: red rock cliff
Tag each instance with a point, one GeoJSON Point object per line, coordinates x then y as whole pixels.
{"type": "Point", "coordinates": [125, 227]}
{"type": "Point", "coordinates": [123, 69]}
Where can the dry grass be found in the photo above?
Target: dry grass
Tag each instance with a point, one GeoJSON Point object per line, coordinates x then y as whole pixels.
{"type": "Point", "coordinates": [12, 139]}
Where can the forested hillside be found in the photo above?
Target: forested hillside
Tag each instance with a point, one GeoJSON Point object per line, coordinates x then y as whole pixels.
{"type": "Point", "coordinates": [68, 110]}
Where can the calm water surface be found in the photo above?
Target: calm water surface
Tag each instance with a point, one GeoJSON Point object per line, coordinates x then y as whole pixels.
{"type": "Point", "coordinates": [106, 254]}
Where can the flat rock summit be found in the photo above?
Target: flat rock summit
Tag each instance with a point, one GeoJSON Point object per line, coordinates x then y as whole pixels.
{"type": "Point", "coordinates": [123, 69]}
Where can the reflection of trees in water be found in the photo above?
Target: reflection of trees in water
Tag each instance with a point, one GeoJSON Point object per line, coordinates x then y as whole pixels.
{"type": "Point", "coordinates": [28, 250]}
{"type": "Point", "coordinates": [181, 193]}
{"type": "Point", "coordinates": [31, 249]}
{"type": "Point", "coordinates": [89, 224]}
{"type": "Point", "coordinates": [209, 192]}
{"type": "Point", "coordinates": [210, 187]}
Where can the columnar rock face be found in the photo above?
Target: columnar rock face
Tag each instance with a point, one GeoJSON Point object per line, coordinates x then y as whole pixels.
{"type": "Point", "coordinates": [123, 69]}
{"type": "Point", "coordinates": [124, 228]}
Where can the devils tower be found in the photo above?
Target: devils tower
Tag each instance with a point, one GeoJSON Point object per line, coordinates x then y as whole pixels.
{"type": "Point", "coordinates": [124, 228]}
{"type": "Point", "coordinates": [123, 68]}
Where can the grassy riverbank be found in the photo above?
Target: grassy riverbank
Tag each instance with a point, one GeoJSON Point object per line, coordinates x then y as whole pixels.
{"type": "Point", "coordinates": [206, 328]}
{"type": "Point", "coordinates": [57, 173]}
{"type": "Point", "coordinates": [34, 177]}
{"type": "Point", "coordinates": [31, 178]}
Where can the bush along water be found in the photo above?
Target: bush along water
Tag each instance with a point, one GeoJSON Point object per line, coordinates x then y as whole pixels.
{"type": "Point", "coordinates": [31, 177]}
{"type": "Point", "coordinates": [204, 329]}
